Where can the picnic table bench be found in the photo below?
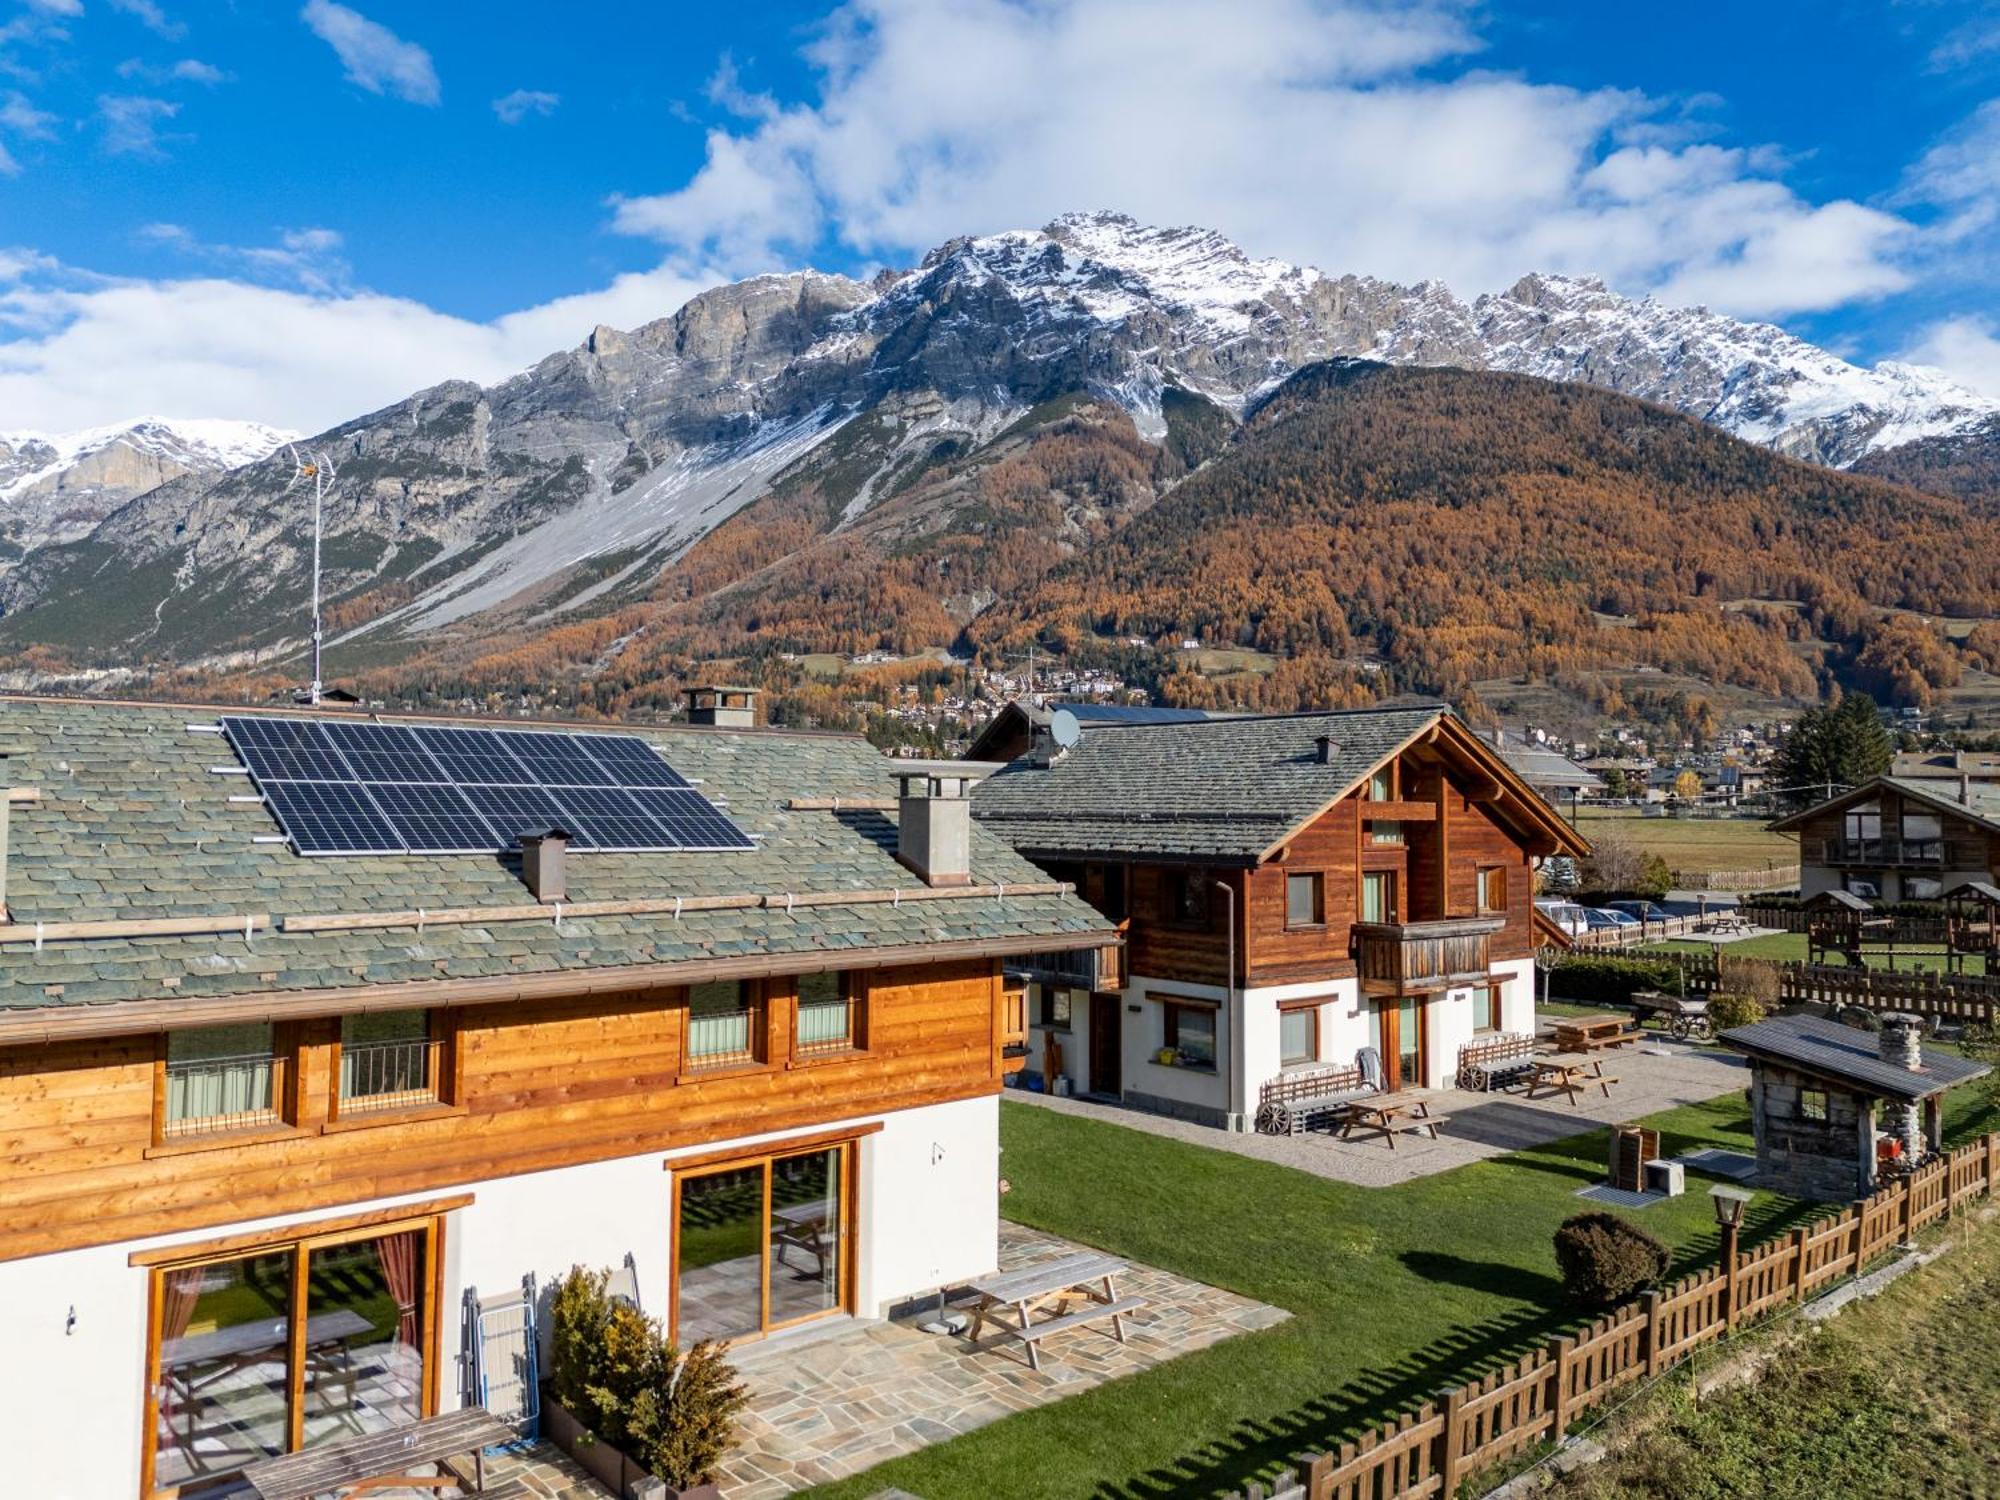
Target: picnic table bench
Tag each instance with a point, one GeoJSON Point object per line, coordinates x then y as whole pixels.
{"type": "Point", "coordinates": [1388, 1114]}
{"type": "Point", "coordinates": [1588, 1033]}
{"type": "Point", "coordinates": [1086, 1279]}
{"type": "Point", "coordinates": [1491, 1062]}
{"type": "Point", "coordinates": [389, 1459]}
{"type": "Point", "coordinates": [1683, 1016]}
{"type": "Point", "coordinates": [1570, 1073]}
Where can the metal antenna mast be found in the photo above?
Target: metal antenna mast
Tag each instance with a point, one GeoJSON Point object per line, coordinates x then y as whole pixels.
{"type": "Point", "coordinates": [317, 467]}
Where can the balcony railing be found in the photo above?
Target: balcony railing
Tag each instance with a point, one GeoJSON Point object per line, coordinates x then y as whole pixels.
{"type": "Point", "coordinates": [1919, 854]}
{"type": "Point", "coordinates": [1409, 958]}
{"type": "Point", "coordinates": [220, 1093]}
{"type": "Point", "coordinates": [716, 1039]}
{"type": "Point", "coordinates": [825, 1026]}
{"type": "Point", "coordinates": [1074, 969]}
{"type": "Point", "coordinates": [388, 1075]}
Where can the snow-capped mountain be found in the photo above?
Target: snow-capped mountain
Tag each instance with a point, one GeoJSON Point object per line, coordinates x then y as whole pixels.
{"type": "Point", "coordinates": [573, 484]}
{"type": "Point", "coordinates": [55, 487]}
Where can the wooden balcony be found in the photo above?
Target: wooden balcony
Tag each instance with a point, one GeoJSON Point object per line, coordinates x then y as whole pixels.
{"type": "Point", "coordinates": [1418, 958]}
{"type": "Point", "coordinates": [1075, 969]}
{"type": "Point", "coordinates": [1897, 853]}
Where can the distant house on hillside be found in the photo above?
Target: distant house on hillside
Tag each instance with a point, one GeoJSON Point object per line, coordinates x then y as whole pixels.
{"type": "Point", "coordinates": [1293, 889]}
{"type": "Point", "coordinates": [1947, 765]}
{"type": "Point", "coordinates": [1899, 839]}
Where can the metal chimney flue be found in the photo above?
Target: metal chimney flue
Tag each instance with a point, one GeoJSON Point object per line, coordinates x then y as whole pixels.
{"type": "Point", "coordinates": [543, 860]}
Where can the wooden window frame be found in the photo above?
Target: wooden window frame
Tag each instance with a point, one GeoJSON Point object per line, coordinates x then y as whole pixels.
{"type": "Point", "coordinates": [300, 1240]}
{"type": "Point", "coordinates": [758, 993]}
{"type": "Point", "coordinates": [1493, 998]}
{"type": "Point", "coordinates": [1395, 879]}
{"type": "Point", "coordinates": [1390, 771]}
{"type": "Point", "coordinates": [1479, 893]}
{"type": "Point", "coordinates": [446, 1078]}
{"type": "Point", "coordinates": [1175, 880]}
{"type": "Point", "coordinates": [1825, 1114]}
{"type": "Point", "coordinates": [1293, 1007]}
{"type": "Point", "coordinates": [713, 1164]}
{"type": "Point", "coordinates": [1170, 1007]}
{"type": "Point", "coordinates": [286, 1045]}
{"type": "Point", "coordinates": [1318, 919]}
{"type": "Point", "coordinates": [1049, 993]}
{"type": "Point", "coordinates": [855, 991]}
{"type": "Point", "coordinates": [1379, 835]}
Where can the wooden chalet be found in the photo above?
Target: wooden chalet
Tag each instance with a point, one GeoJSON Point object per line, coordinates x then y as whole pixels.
{"type": "Point", "coordinates": [270, 1120]}
{"type": "Point", "coordinates": [1899, 838]}
{"type": "Point", "coordinates": [1292, 889]}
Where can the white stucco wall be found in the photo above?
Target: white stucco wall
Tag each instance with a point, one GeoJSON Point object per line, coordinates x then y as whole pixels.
{"type": "Point", "coordinates": [1517, 996]}
{"type": "Point", "coordinates": [928, 1214]}
{"type": "Point", "coordinates": [1145, 1034]}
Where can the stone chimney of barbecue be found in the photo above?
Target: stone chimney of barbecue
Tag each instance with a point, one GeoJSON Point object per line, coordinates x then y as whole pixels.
{"type": "Point", "coordinates": [723, 707]}
{"type": "Point", "coordinates": [1899, 1043]}
{"type": "Point", "coordinates": [934, 817]}
{"type": "Point", "coordinates": [543, 857]}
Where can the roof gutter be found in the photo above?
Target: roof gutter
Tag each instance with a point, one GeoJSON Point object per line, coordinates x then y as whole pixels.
{"type": "Point", "coordinates": [53, 1023]}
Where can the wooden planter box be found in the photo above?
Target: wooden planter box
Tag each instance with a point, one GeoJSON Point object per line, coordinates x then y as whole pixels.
{"type": "Point", "coordinates": [606, 1464]}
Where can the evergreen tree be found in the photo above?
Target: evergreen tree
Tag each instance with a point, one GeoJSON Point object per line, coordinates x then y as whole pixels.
{"type": "Point", "coordinates": [1840, 744]}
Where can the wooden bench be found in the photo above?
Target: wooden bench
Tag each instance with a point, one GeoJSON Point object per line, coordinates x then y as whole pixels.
{"type": "Point", "coordinates": [1494, 1062]}
{"type": "Point", "coordinates": [1570, 1074]}
{"type": "Point", "coordinates": [1091, 1313]}
{"type": "Point", "coordinates": [1296, 1101]}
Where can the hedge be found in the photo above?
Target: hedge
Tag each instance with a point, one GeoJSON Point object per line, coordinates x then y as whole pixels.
{"type": "Point", "coordinates": [1601, 979]}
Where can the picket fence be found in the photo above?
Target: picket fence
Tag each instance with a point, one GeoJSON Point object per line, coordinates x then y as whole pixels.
{"type": "Point", "coordinates": [1429, 1452]}
{"type": "Point", "coordinates": [1942, 999]}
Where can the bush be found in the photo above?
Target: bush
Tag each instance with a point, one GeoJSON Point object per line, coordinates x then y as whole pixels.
{"type": "Point", "coordinates": [618, 1374]}
{"type": "Point", "coordinates": [1596, 979]}
{"type": "Point", "coordinates": [1728, 1009]}
{"type": "Point", "coordinates": [1605, 1259]}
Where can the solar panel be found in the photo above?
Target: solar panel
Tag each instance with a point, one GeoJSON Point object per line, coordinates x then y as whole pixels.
{"type": "Point", "coordinates": [346, 786]}
{"type": "Point", "coordinates": [330, 817]}
{"type": "Point", "coordinates": [433, 819]}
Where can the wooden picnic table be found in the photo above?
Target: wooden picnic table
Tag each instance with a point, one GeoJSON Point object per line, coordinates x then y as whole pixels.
{"type": "Point", "coordinates": [194, 1364]}
{"type": "Point", "coordinates": [1086, 1279]}
{"type": "Point", "coordinates": [387, 1460]}
{"type": "Point", "coordinates": [803, 1228]}
{"type": "Point", "coordinates": [1387, 1114]}
{"type": "Point", "coordinates": [1587, 1033]}
{"type": "Point", "coordinates": [1570, 1073]}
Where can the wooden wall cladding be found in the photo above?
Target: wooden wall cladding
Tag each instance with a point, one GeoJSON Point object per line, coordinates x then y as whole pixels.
{"type": "Point", "coordinates": [540, 1085]}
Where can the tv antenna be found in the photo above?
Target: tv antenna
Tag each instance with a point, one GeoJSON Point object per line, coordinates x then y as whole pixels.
{"type": "Point", "coordinates": [317, 467]}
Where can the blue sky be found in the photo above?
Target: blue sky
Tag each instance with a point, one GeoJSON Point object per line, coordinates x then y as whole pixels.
{"type": "Point", "coordinates": [294, 213]}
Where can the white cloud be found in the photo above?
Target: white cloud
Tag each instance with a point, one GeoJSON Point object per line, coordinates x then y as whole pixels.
{"type": "Point", "coordinates": [187, 70]}
{"type": "Point", "coordinates": [308, 259]}
{"type": "Point", "coordinates": [57, 7]}
{"type": "Point", "coordinates": [1338, 132]}
{"type": "Point", "coordinates": [373, 55]}
{"type": "Point", "coordinates": [87, 350]}
{"type": "Point", "coordinates": [132, 123]}
{"type": "Point", "coordinates": [1966, 348]}
{"type": "Point", "coordinates": [515, 107]}
{"type": "Point", "coordinates": [18, 114]}
{"type": "Point", "coordinates": [149, 15]}
{"type": "Point", "coordinates": [8, 166]}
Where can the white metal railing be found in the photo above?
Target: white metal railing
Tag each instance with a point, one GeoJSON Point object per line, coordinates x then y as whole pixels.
{"type": "Point", "coordinates": [388, 1075]}
{"type": "Point", "coordinates": [220, 1093]}
{"type": "Point", "coordinates": [719, 1037]}
{"type": "Point", "coordinates": [824, 1026]}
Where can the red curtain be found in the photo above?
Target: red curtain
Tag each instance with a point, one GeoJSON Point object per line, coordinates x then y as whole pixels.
{"type": "Point", "coordinates": [179, 1291]}
{"type": "Point", "coordinates": [402, 1257]}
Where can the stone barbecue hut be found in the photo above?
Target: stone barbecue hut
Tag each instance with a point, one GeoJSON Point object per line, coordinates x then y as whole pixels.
{"type": "Point", "coordinates": [1825, 1099]}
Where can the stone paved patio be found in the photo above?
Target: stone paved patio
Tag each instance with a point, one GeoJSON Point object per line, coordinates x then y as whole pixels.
{"type": "Point", "coordinates": [845, 1396]}
{"type": "Point", "coordinates": [1658, 1073]}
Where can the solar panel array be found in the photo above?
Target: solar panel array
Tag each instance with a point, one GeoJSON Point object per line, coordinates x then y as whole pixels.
{"type": "Point", "coordinates": [342, 786]}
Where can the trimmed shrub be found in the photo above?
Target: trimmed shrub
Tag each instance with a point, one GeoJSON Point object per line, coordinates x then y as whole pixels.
{"type": "Point", "coordinates": [619, 1375]}
{"type": "Point", "coordinates": [1728, 1009]}
{"type": "Point", "coordinates": [1605, 1259]}
{"type": "Point", "coordinates": [1600, 979]}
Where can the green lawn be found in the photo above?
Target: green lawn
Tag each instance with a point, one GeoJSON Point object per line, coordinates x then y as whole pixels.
{"type": "Point", "coordinates": [1694, 843]}
{"type": "Point", "coordinates": [1394, 1293]}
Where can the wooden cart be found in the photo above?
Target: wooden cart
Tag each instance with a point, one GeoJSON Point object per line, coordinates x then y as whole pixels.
{"type": "Point", "coordinates": [1678, 1014]}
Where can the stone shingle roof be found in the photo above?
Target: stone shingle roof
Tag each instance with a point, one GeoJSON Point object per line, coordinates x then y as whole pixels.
{"type": "Point", "coordinates": [132, 824]}
{"type": "Point", "coordinates": [1223, 789]}
{"type": "Point", "coordinates": [1831, 1050]}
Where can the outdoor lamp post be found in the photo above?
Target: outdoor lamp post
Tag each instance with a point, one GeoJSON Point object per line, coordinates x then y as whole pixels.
{"type": "Point", "coordinates": [1729, 1203]}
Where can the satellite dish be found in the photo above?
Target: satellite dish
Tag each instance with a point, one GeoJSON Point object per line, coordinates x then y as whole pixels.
{"type": "Point", "coordinates": [1064, 728]}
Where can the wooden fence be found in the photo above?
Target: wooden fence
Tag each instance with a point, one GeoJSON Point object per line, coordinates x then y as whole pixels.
{"type": "Point", "coordinates": [1912, 930]}
{"type": "Point", "coordinates": [1429, 1452]}
{"type": "Point", "coordinates": [1942, 999]}
{"type": "Point", "coordinates": [1770, 878]}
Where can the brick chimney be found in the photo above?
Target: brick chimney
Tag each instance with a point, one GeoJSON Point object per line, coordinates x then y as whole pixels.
{"type": "Point", "coordinates": [723, 707]}
{"type": "Point", "coordinates": [934, 817]}
{"type": "Point", "coordinates": [1900, 1044]}
{"type": "Point", "coordinates": [543, 858]}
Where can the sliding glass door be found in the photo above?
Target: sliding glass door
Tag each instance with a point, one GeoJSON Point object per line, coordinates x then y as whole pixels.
{"type": "Point", "coordinates": [271, 1351]}
{"type": "Point", "coordinates": [762, 1244]}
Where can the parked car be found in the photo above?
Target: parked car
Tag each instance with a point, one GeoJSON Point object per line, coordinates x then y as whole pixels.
{"type": "Point", "coordinates": [1644, 911]}
{"type": "Point", "coordinates": [1603, 918]}
{"type": "Point", "coordinates": [1567, 915]}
